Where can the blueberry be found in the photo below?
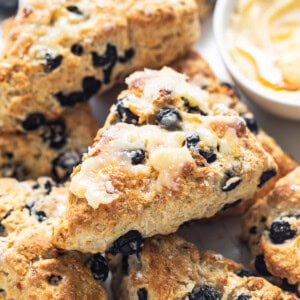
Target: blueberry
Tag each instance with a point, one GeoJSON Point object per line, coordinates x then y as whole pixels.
{"type": "Point", "coordinates": [169, 118]}
{"type": "Point", "coordinates": [2, 229]}
{"type": "Point", "coordinates": [253, 230]}
{"type": "Point", "coordinates": [74, 9]}
{"type": "Point", "coordinates": [251, 124]}
{"type": "Point", "coordinates": [54, 279]}
{"type": "Point", "coordinates": [137, 156]}
{"type": "Point", "coordinates": [260, 265]}
{"type": "Point", "coordinates": [52, 63]}
{"type": "Point", "coordinates": [29, 208]}
{"type": "Point", "coordinates": [125, 115]}
{"type": "Point", "coordinates": [128, 244]}
{"type": "Point", "coordinates": [90, 86]}
{"type": "Point", "coordinates": [244, 297]}
{"type": "Point", "coordinates": [33, 121]}
{"type": "Point", "coordinates": [69, 99]}
{"type": "Point", "coordinates": [77, 49]}
{"type": "Point", "coordinates": [192, 109]}
{"type": "Point", "coordinates": [142, 294]}
{"type": "Point", "coordinates": [63, 164]}
{"type": "Point", "coordinates": [204, 292]}
{"type": "Point", "coordinates": [128, 55]}
{"type": "Point", "coordinates": [232, 204]}
{"type": "Point", "coordinates": [231, 183]}
{"type": "Point", "coordinates": [8, 7]}
{"type": "Point", "coordinates": [266, 176]}
{"type": "Point", "coordinates": [15, 170]}
{"type": "Point", "coordinates": [98, 266]}
{"type": "Point", "coordinates": [48, 187]}
{"type": "Point", "coordinates": [244, 273]}
{"type": "Point", "coordinates": [9, 155]}
{"type": "Point", "coordinates": [192, 141]}
{"type": "Point", "coordinates": [40, 216]}
{"type": "Point", "coordinates": [109, 57]}
{"type": "Point", "coordinates": [55, 134]}
{"type": "Point", "coordinates": [286, 286]}
{"type": "Point", "coordinates": [107, 73]}
{"type": "Point", "coordinates": [280, 232]}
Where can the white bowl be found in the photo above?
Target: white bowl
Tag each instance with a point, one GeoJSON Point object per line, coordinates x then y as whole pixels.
{"type": "Point", "coordinates": [271, 101]}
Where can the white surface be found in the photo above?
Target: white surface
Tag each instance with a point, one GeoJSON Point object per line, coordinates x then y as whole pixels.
{"type": "Point", "coordinates": [270, 100]}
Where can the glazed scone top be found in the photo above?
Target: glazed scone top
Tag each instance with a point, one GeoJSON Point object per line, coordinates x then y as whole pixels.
{"type": "Point", "coordinates": [30, 266]}
{"type": "Point", "coordinates": [170, 268]}
{"type": "Point", "coordinates": [175, 138]}
{"type": "Point", "coordinates": [272, 230]}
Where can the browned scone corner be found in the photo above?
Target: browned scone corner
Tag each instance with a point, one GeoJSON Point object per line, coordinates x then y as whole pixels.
{"type": "Point", "coordinates": [30, 266]}
{"type": "Point", "coordinates": [164, 156]}
{"type": "Point", "coordinates": [222, 93]}
{"type": "Point", "coordinates": [58, 53]}
{"type": "Point", "coordinates": [49, 147]}
{"type": "Point", "coordinates": [169, 268]}
{"type": "Point", "coordinates": [271, 229]}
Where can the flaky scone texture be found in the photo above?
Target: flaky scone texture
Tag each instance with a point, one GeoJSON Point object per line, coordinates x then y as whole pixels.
{"type": "Point", "coordinates": [170, 268]}
{"type": "Point", "coordinates": [49, 147]}
{"type": "Point", "coordinates": [30, 266]}
{"type": "Point", "coordinates": [163, 157]}
{"type": "Point", "coordinates": [272, 230]}
{"type": "Point", "coordinates": [200, 73]}
{"type": "Point", "coordinates": [58, 53]}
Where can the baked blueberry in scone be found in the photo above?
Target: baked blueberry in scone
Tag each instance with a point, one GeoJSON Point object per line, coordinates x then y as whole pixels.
{"type": "Point", "coordinates": [59, 53]}
{"type": "Point", "coordinates": [170, 268]}
{"type": "Point", "coordinates": [157, 164]}
{"type": "Point", "coordinates": [49, 147]}
{"type": "Point", "coordinates": [225, 94]}
{"type": "Point", "coordinates": [272, 230]}
{"type": "Point", "coordinates": [30, 266]}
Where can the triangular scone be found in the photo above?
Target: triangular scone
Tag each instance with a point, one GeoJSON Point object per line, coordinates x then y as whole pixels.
{"type": "Point", "coordinates": [159, 161]}
{"type": "Point", "coordinates": [30, 266]}
{"type": "Point", "coordinates": [271, 229]}
{"type": "Point", "coordinates": [169, 268]}
{"type": "Point", "coordinates": [60, 52]}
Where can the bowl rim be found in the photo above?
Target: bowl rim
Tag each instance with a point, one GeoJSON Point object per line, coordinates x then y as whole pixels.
{"type": "Point", "coordinates": [219, 28]}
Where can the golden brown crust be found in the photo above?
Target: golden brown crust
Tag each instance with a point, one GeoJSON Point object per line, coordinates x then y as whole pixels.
{"type": "Point", "coordinates": [30, 266]}
{"type": "Point", "coordinates": [271, 228]}
{"type": "Point", "coordinates": [60, 52]}
{"type": "Point", "coordinates": [171, 268]}
{"type": "Point", "coordinates": [49, 146]}
{"type": "Point", "coordinates": [175, 181]}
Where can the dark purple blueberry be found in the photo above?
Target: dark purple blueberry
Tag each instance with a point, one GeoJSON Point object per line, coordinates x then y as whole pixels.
{"type": "Point", "coordinates": [137, 156]}
{"type": "Point", "coordinates": [63, 164]}
{"type": "Point", "coordinates": [107, 73]}
{"type": "Point", "coordinates": [169, 118]}
{"type": "Point", "coordinates": [125, 114]}
{"type": "Point", "coordinates": [74, 9]}
{"type": "Point", "coordinates": [281, 231]}
{"type": "Point", "coordinates": [263, 219]}
{"type": "Point", "coordinates": [15, 170]}
{"type": "Point", "coordinates": [8, 7]}
{"type": "Point", "coordinates": [29, 208]}
{"type": "Point", "coordinates": [209, 155]}
{"type": "Point", "coordinates": [40, 216]}
{"type": "Point", "coordinates": [52, 63]}
{"type": "Point", "coordinates": [128, 244]}
{"type": "Point", "coordinates": [98, 266]}
{"type": "Point", "coordinates": [192, 141]}
{"type": "Point", "coordinates": [33, 121]}
{"type": "Point", "coordinates": [69, 99]}
{"type": "Point", "coordinates": [54, 134]}
{"type": "Point", "coordinates": [9, 155]}
{"type": "Point", "coordinates": [54, 279]}
{"type": "Point", "coordinates": [77, 49]}
{"type": "Point", "coordinates": [244, 273]}
{"type": "Point", "coordinates": [232, 204]}
{"type": "Point", "coordinates": [2, 229]}
{"type": "Point", "coordinates": [231, 183]}
{"type": "Point", "coordinates": [251, 124]}
{"type": "Point", "coordinates": [244, 297]}
{"type": "Point", "coordinates": [48, 187]}
{"type": "Point", "coordinates": [109, 57]}
{"type": "Point", "coordinates": [260, 265]}
{"type": "Point", "coordinates": [90, 86]}
{"type": "Point", "coordinates": [192, 109]}
{"type": "Point", "coordinates": [286, 286]}
{"type": "Point", "coordinates": [266, 176]}
{"type": "Point", "coordinates": [253, 230]}
{"type": "Point", "coordinates": [128, 55]}
{"type": "Point", "coordinates": [204, 292]}
{"type": "Point", "coordinates": [142, 294]}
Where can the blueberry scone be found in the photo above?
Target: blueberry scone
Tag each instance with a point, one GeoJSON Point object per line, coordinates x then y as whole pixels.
{"type": "Point", "coordinates": [30, 267]}
{"type": "Point", "coordinates": [272, 230]}
{"type": "Point", "coordinates": [222, 93]}
{"type": "Point", "coordinates": [51, 147]}
{"type": "Point", "coordinates": [169, 268]}
{"type": "Point", "coordinates": [58, 53]}
{"type": "Point", "coordinates": [163, 157]}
